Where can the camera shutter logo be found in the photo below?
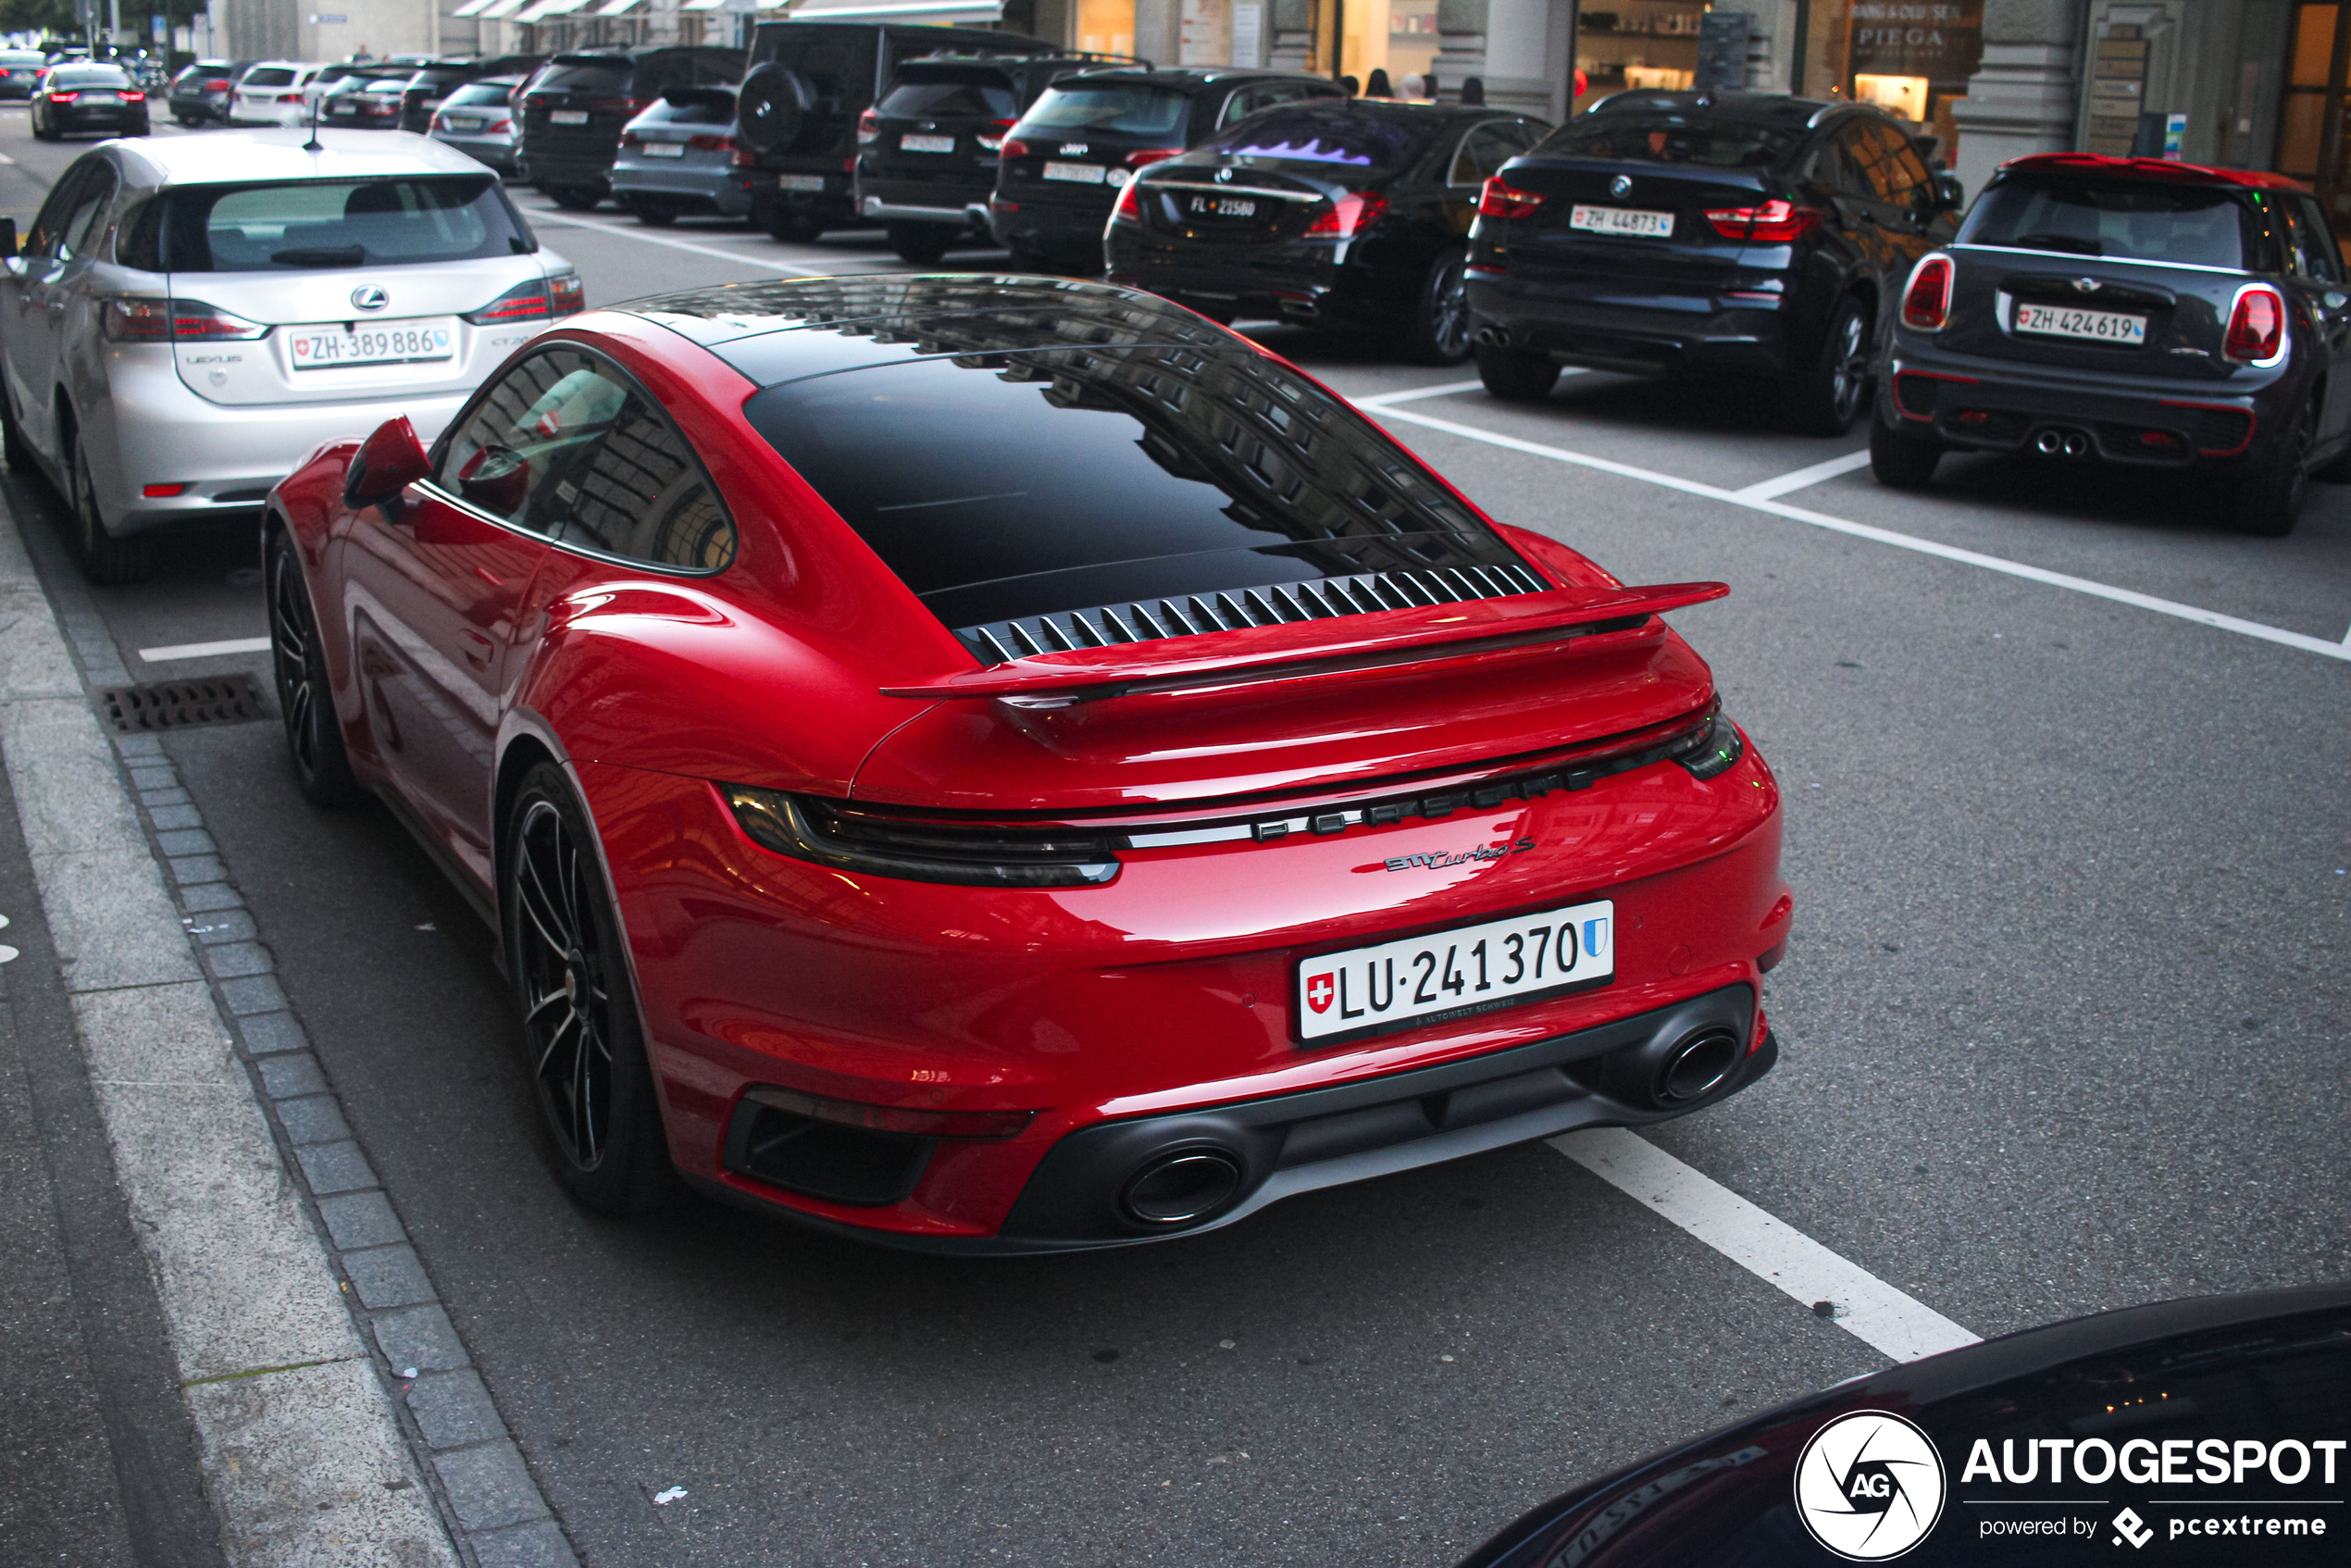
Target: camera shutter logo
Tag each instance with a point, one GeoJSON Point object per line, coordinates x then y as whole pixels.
{"type": "Point", "coordinates": [1870, 1486]}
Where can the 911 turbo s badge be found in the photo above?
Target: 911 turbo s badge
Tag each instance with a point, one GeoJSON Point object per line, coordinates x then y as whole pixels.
{"type": "Point", "coordinates": [1439, 861]}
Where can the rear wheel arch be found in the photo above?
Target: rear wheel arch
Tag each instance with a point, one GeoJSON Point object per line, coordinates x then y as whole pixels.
{"type": "Point", "coordinates": [523, 753]}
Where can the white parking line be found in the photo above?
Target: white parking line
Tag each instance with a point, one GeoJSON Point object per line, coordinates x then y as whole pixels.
{"type": "Point", "coordinates": [2213, 618]}
{"type": "Point", "coordinates": [626, 231]}
{"type": "Point", "coordinates": [1859, 1301]}
{"type": "Point", "coordinates": [1385, 400]}
{"type": "Point", "coordinates": [204, 649]}
{"type": "Point", "coordinates": [1804, 477]}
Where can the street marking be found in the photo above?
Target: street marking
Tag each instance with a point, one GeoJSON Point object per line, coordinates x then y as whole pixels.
{"type": "Point", "coordinates": [1804, 477]}
{"type": "Point", "coordinates": [204, 649]}
{"type": "Point", "coordinates": [740, 258]}
{"type": "Point", "coordinates": [2213, 618]}
{"type": "Point", "coordinates": [7, 161]}
{"type": "Point", "coordinates": [1863, 1305]}
{"type": "Point", "coordinates": [1383, 400]}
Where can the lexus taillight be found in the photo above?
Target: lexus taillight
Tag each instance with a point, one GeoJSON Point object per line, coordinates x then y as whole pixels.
{"type": "Point", "coordinates": [126, 320]}
{"type": "Point", "coordinates": [868, 128]}
{"type": "Point", "coordinates": [559, 295]}
{"type": "Point", "coordinates": [566, 294]}
{"type": "Point", "coordinates": [1349, 214]}
{"type": "Point", "coordinates": [1143, 158]}
{"type": "Point", "coordinates": [1130, 207]}
{"type": "Point", "coordinates": [992, 137]}
{"type": "Point", "coordinates": [1012, 149]}
{"type": "Point", "coordinates": [711, 144]}
{"type": "Point", "coordinates": [2257, 325]}
{"type": "Point", "coordinates": [1926, 303]}
{"type": "Point", "coordinates": [1773, 223]}
{"type": "Point", "coordinates": [1499, 200]}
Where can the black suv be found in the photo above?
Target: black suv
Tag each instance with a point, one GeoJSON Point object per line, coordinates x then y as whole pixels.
{"type": "Point", "coordinates": [2131, 311]}
{"type": "Point", "coordinates": [432, 84]}
{"type": "Point", "coordinates": [927, 152]}
{"type": "Point", "coordinates": [1727, 231]}
{"type": "Point", "coordinates": [808, 86]}
{"type": "Point", "coordinates": [574, 109]}
{"type": "Point", "coordinates": [1064, 164]}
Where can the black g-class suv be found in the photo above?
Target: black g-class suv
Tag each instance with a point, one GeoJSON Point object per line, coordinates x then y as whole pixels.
{"type": "Point", "coordinates": [574, 109]}
{"type": "Point", "coordinates": [797, 117]}
{"type": "Point", "coordinates": [927, 152]}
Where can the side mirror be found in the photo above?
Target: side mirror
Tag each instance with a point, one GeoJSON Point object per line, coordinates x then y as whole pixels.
{"type": "Point", "coordinates": [1949, 194]}
{"type": "Point", "coordinates": [388, 462]}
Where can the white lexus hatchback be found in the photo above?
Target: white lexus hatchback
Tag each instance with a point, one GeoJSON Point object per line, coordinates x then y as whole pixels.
{"type": "Point", "coordinates": [189, 318]}
{"type": "Point", "coordinates": [275, 93]}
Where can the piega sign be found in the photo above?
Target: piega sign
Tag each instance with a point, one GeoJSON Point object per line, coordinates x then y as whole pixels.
{"type": "Point", "coordinates": [2213, 1431]}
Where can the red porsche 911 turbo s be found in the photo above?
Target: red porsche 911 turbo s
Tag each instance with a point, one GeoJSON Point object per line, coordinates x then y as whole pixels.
{"type": "Point", "coordinates": [1002, 765]}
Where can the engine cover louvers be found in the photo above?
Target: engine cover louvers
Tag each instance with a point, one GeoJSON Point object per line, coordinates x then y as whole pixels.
{"type": "Point", "coordinates": [1236, 609]}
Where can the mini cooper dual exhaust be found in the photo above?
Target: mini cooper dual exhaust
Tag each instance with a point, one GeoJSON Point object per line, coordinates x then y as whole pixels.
{"type": "Point", "coordinates": [2054, 443]}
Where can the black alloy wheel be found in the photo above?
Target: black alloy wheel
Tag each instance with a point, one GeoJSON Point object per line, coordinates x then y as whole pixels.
{"type": "Point", "coordinates": [920, 243]}
{"type": "Point", "coordinates": [2268, 502]}
{"type": "Point", "coordinates": [584, 1050]}
{"type": "Point", "coordinates": [105, 560]}
{"type": "Point", "coordinates": [1902, 459]}
{"type": "Point", "coordinates": [1827, 395]}
{"type": "Point", "coordinates": [1440, 332]}
{"type": "Point", "coordinates": [1515, 374]}
{"type": "Point", "coordinates": [305, 701]}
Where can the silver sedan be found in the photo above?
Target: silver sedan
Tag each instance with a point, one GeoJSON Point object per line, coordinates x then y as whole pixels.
{"type": "Point", "coordinates": [189, 318]}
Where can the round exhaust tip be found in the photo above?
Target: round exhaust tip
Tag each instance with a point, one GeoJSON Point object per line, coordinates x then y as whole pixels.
{"type": "Point", "coordinates": [1190, 1184]}
{"type": "Point", "coordinates": [2048, 444]}
{"type": "Point", "coordinates": [1697, 1067]}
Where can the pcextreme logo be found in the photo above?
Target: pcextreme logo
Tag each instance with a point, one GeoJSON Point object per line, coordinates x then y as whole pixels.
{"type": "Point", "coordinates": [1869, 1485]}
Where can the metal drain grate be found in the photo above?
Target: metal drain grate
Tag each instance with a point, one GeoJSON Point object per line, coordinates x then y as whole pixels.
{"type": "Point", "coordinates": [182, 704]}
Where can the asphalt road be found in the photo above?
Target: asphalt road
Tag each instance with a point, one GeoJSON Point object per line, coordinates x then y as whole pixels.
{"type": "Point", "coordinates": [2064, 1029]}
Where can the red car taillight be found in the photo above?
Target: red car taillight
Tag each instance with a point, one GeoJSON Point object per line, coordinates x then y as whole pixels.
{"type": "Point", "coordinates": [566, 294]}
{"type": "Point", "coordinates": [631, 139]}
{"type": "Point", "coordinates": [1349, 214]}
{"type": "Point", "coordinates": [1926, 303]}
{"type": "Point", "coordinates": [129, 98]}
{"type": "Point", "coordinates": [219, 86]}
{"type": "Point", "coordinates": [1145, 156]}
{"type": "Point", "coordinates": [1013, 150]}
{"type": "Point", "coordinates": [559, 295]}
{"type": "Point", "coordinates": [1129, 208]}
{"type": "Point", "coordinates": [1773, 223]}
{"type": "Point", "coordinates": [746, 158]}
{"type": "Point", "coordinates": [868, 128]}
{"type": "Point", "coordinates": [711, 144]}
{"type": "Point", "coordinates": [63, 97]}
{"type": "Point", "coordinates": [629, 106]}
{"type": "Point", "coordinates": [2257, 325]}
{"type": "Point", "coordinates": [126, 320]}
{"type": "Point", "coordinates": [502, 126]}
{"type": "Point", "coordinates": [992, 139]}
{"type": "Point", "coordinates": [1498, 200]}
{"type": "Point", "coordinates": [293, 98]}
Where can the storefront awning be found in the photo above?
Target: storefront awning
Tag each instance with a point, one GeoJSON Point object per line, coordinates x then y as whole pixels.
{"type": "Point", "coordinates": [470, 7]}
{"type": "Point", "coordinates": [701, 4]}
{"type": "Point", "coordinates": [497, 8]}
{"type": "Point", "coordinates": [898, 10]}
{"type": "Point", "coordinates": [541, 9]}
{"type": "Point", "coordinates": [617, 8]}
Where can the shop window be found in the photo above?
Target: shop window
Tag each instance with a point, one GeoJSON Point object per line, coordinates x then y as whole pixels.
{"type": "Point", "coordinates": [1910, 58]}
{"type": "Point", "coordinates": [1638, 43]}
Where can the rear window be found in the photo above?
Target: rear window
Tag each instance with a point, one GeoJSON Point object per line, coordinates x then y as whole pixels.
{"type": "Point", "coordinates": [479, 93]}
{"type": "Point", "coordinates": [604, 75]}
{"type": "Point", "coordinates": [925, 91]}
{"type": "Point", "coordinates": [981, 480]}
{"type": "Point", "coordinates": [1706, 144]}
{"type": "Point", "coordinates": [693, 107]}
{"type": "Point", "coordinates": [95, 75]}
{"type": "Point", "coordinates": [1128, 109]}
{"type": "Point", "coordinates": [268, 76]}
{"type": "Point", "coordinates": [2154, 220]}
{"type": "Point", "coordinates": [1309, 135]}
{"type": "Point", "coordinates": [445, 76]}
{"type": "Point", "coordinates": [301, 225]}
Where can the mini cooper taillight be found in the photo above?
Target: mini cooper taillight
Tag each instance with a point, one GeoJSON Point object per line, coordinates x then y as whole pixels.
{"type": "Point", "coordinates": [868, 128]}
{"type": "Point", "coordinates": [1926, 303]}
{"type": "Point", "coordinates": [126, 320]}
{"type": "Point", "coordinates": [1773, 223]}
{"type": "Point", "coordinates": [852, 839]}
{"type": "Point", "coordinates": [2257, 325]}
{"type": "Point", "coordinates": [1500, 200]}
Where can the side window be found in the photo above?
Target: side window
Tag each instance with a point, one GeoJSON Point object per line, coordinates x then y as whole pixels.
{"type": "Point", "coordinates": [1241, 104]}
{"type": "Point", "coordinates": [1866, 171]}
{"type": "Point", "coordinates": [48, 229]}
{"type": "Point", "coordinates": [561, 446]}
{"type": "Point", "coordinates": [2310, 250]}
{"type": "Point", "coordinates": [1523, 137]}
{"type": "Point", "coordinates": [85, 226]}
{"type": "Point", "coordinates": [1484, 150]}
{"type": "Point", "coordinates": [1905, 169]}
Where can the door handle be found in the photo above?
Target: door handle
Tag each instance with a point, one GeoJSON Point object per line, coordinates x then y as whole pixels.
{"type": "Point", "coordinates": [476, 647]}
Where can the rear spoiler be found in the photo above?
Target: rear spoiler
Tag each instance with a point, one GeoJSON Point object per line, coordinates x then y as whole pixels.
{"type": "Point", "coordinates": [1384, 639]}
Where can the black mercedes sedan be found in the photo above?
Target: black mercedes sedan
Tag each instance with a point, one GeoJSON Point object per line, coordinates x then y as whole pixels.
{"type": "Point", "coordinates": [1063, 165]}
{"type": "Point", "coordinates": [1349, 214]}
{"type": "Point", "coordinates": [2131, 311]}
{"type": "Point", "coordinates": [2214, 1430]}
{"type": "Point", "coordinates": [1735, 232]}
{"type": "Point", "coordinates": [79, 98]}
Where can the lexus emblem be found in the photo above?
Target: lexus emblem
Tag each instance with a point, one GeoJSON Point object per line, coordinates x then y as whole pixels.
{"type": "Point", "coordinates": [1621, 186]}
{"type": "Point", "coordinates": [2087, 285]}
{"type": "Point", "coordinates": [370, 297]}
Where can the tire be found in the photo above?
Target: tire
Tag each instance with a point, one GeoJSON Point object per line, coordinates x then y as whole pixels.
{"type": "Point", "coordinates": [582, 1046]}
{"type": "Point", "coordinates": [653, 214]}
{"type": "Point", "coordinates": [188, 122]}
{"type": "Point", "coordinates": [1902, 459]}
{"type": "Point", "coordinates": [1440, 332]}
{"type": "Point", "coordinates": [2268, 502]}
{"type": "Point", "coordinates": [305, 700]}
{"type": "Point", "coordinates": [2335, 469]}
{"type": "Point", "coordinates": [1025, 260]}
{"type": "Point", "coordinates": [575, 198]}
{"type": "Point", "coordinates": [1515, 374]}
{"type": "Point", "coordinates": [1825, 396]}
{"type": "Point", "coordinates": [789, 225]}
{"type": "Point", "coordinates": [920, 243]}
{"type": "Point", "coordinates": [105, 560]}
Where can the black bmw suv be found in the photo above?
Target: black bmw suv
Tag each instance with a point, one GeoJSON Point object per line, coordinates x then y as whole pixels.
{"type": "Point", "coordinates": [2131, 311]}
{"type": "Point", "coordinates": [573, 111]}
{"type": "Point", "coordinates": [1345, 213]}
{"type": "Point", "coordinates": [1072, 151]}
{"type": "Point", "coordinates": [927, 152]}
{"type": "Point", "coordinates": [1724, 231]}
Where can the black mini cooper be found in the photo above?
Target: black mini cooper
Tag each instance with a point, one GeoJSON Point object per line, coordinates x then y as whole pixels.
{"type": "Point", "coordinates": [2131, 311]}
{"type": "Point", "coordinates": [1714, 233]}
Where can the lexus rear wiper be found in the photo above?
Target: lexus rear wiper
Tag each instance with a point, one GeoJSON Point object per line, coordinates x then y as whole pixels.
{"type": "Point", "coordinates": [320, 255]}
